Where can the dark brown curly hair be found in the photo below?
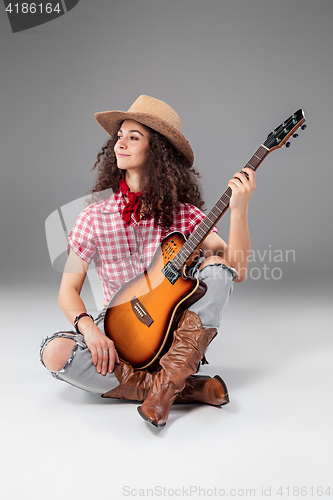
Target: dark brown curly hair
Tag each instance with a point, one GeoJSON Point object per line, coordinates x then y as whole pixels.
{"type": "Point", "coordinates": [168, 179]}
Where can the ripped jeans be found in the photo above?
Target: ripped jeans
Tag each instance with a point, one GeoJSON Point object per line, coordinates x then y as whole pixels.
{"type": "Point", "coordinates": [79, 369]}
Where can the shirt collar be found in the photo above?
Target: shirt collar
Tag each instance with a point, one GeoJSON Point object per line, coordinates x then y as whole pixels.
{"type": "Point", "coordinates": [115, 203]}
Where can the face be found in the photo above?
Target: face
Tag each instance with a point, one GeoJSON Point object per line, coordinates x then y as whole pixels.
{"type": "Point", "coordinates": [132, 145]}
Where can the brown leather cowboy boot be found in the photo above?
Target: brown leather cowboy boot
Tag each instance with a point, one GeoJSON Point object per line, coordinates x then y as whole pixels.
{"type": "Point", "coordinates": [204, 389]}
{"type": "Point", "coordinates": [132, 385]}
{"type": "Point", "coordinates": [198, 389]}
{"type": "Point", "coordinates": [190, 342]}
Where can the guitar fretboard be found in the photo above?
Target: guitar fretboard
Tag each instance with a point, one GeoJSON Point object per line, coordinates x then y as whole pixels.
{"type": "Point", "coordinates": [211, 219]}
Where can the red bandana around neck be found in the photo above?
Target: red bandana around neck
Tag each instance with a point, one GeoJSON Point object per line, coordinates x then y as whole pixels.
{"type": "Point", "coordinates": [134, 202]}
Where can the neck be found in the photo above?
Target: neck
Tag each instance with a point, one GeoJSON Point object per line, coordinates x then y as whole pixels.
{"type": "Point", "coordinates": [134, 181]}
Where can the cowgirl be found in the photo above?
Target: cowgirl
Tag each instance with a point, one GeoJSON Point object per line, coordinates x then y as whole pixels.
{"type": "Point", "coordinates": [147, 166]}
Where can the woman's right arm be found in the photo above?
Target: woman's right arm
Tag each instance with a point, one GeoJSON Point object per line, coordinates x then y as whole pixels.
{"type": "Point", "coordinates": [72, 305]}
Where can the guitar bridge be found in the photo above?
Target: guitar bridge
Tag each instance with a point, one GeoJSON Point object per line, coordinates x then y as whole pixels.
{"type": "Point", "coordinates": [140, 312]}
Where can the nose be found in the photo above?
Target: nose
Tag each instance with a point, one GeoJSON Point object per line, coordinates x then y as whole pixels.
{"type": "Point", "coordinates": [121, 143]}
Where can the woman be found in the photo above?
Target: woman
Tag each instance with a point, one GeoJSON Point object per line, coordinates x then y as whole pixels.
{"type": "Point", "coordinates": [147, 163]}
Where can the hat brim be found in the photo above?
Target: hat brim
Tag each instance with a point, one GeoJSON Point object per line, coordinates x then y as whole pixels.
{"type": "Point", "coordinates": [111, 120]}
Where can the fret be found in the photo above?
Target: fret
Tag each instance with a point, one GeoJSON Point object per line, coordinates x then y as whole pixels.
{"type": "Point", "coordinates": [257, 158]}
{"type": "Point", "coordinates": [209, 220]}
{"type": "Point", "coordinates": [205, 225]}
{"type": "Point", "coordinates": [253, 162]}
{"type": "Point", "coordinates": [215, 212]}
{"type": "Point", "coordinates": [223, 200]}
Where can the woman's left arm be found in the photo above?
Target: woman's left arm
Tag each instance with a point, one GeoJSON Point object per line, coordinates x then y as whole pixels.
{"type": "Point", "coordinates": [236, 252]}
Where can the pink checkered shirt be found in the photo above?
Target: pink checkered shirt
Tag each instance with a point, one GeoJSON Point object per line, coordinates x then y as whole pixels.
{"type": "Point", "coordinates": [121, 251]}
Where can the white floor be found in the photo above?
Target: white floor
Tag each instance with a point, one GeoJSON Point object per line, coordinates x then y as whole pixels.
{"type": "Point", "coordinates": [275, 353]}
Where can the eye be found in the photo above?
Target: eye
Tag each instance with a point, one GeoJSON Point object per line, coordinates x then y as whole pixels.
{"type": "Point", "coordinates": [134, 138]}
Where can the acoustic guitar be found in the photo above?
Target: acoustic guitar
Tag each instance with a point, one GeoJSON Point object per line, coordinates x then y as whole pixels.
{"type": "Point", "coordinates": [141, 315]}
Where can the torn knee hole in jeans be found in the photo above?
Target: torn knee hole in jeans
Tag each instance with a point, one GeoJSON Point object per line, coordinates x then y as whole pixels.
{"type": "Point", "coordinates": [65, 335]}
{"type": "Point", "coordinates": [69, 360]}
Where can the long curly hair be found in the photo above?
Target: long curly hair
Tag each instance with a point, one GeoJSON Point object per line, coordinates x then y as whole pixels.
{"type": "Point", "coordinates": [168, 179]}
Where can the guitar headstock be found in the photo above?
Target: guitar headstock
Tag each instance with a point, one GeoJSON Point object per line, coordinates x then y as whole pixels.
{"type": "Point", "coordinates": [281, 134]}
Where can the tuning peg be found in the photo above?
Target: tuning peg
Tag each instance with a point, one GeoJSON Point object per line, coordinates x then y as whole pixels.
{"type": "Point", "coordinates": [288, 144]}
{"type": "Point", "coordinates": [303, 127]}
{"type": "Point", "coordinates": [295, 136]}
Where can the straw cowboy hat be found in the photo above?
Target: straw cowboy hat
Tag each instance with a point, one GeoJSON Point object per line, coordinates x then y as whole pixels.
{"type": "Point", "coordinates": [153, 113]}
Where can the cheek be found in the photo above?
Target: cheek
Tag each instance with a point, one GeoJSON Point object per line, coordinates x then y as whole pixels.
{"type": "Point", "coordinates": [140, 150]}
{"type": "Point", "coordinates": [144, 150]}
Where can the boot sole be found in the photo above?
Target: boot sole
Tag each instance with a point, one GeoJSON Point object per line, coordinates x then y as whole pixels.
{"type": "Point", "coordinates": [148, 420]}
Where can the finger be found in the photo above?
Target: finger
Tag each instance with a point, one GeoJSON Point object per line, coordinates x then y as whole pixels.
{"type": "Point", "coordinates": [105, 360]}
{"type": "Point", "coordinates": [250, 173]}
{"type": "Point", "coordinates": [249, 170]}
{"type": "Point", "coordinates": [113, 358]}
{"type": "Point", "coordinates": [241, 180]}
{"type": "Point", "coordinates": [94, 355]}
{"type": "Point", "coordinates": [234, 182]}
{"type": "Point", "coordinates": [235, 177]}
{"type": "Point", "coordinates": [99, 360]}
{"type": "Point", "coordinates": [242, 176]}
{"type": "Point", "coordinates": [238, 176]}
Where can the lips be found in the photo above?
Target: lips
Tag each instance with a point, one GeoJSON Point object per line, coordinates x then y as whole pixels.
{"type": "Point", "coordinates": [122, 156]}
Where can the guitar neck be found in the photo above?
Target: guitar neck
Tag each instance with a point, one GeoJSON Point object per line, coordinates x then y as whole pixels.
{"type": "Point", "coordinates": [212, 218]}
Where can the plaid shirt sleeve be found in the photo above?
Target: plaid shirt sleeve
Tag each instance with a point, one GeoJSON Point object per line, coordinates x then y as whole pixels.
{"type": "Point", "coordinates": [81, 237]}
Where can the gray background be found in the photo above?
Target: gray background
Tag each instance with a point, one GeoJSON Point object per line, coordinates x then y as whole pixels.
{"type": "Point", "coordinates": [233, 70]}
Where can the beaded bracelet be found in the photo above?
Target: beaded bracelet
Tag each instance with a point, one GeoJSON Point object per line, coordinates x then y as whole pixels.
{"type": "Point", "coordinates": [77, 319]}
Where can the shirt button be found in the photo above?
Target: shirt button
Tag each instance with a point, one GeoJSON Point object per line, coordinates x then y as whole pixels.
{"type": "Point", "coordinates": [114, 258]}
{"type": "Point", "coordinates": [142, 261]}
